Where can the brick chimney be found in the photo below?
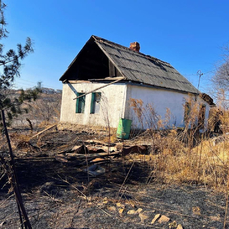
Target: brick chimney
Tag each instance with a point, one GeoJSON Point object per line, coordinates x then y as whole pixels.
{"type": "Point", "coordinates": [135, 46]}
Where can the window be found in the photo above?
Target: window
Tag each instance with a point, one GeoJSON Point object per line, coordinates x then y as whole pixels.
{"type": "Point", "coordinates": [80, 103]}
{"type": "Point", "coordinates": [201, 118]}
{"type": "Point", "coordinates": [95, 102]}
{"type": "Point", "coordinates": [187, 109]}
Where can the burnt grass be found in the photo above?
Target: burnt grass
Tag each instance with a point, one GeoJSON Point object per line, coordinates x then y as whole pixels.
{"type": "Point", "coordinates": [62, 195]}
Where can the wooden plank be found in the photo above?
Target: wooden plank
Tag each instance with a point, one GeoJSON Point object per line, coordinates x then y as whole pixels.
{"type": "Point", "coordinates": [100, 87]}
{"type": "Point", "coordinates": [111, 69]}
{"type": "Point", "coordinates": [78, 81]}
{"type": "Point", "coordinates": [97, 142]}
{"type": "Point", "coordinates": [48, 128]}
{"type": "Point", "coordinates": [107, 78]}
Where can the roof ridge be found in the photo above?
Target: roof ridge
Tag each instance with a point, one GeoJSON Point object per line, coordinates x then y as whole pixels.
{"type": "Point", "coordinates": [102, 40]}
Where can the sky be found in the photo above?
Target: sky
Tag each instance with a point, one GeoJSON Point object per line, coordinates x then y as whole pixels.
{"type": "Point", "coordinates": [188, 34]}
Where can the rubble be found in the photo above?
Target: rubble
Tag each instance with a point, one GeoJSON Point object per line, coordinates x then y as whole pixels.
{"type": "Point", "coordinates": [156, 217]}
{"type": "Point", "coordinates": [163, 219]}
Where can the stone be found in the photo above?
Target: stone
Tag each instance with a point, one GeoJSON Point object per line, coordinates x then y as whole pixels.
{"type": "Point", "coordinates": [196, 210]}
{"type": "Point", "coordinates": [179, 226]}
{"type": "Point", "coordinates": [120, 210]}
{"type": "Point", "coordinates": [132, 212]}
{"type": "Point", "coordinates": [119, 205]}
{"type": "Point", "coordinates": [139, 210]}
{"type": "Point", "coordinates": [215, 218]}
{"type": "Point", "coordinates": [143, 217]}
{"type": "Point", "coordinates": [163, 219]}
{"type": "Point", "coordinates": [173, 225]}
{"type": "Point", "coordinates": [105, 201]}
{"type": "Point", "coordinates": [156, 217]}
{"type": "Point", "coordinates": [111, 208]}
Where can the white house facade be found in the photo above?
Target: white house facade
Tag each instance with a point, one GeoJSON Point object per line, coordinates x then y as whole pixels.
{"type": "Point", "coordinates": [106, 80]}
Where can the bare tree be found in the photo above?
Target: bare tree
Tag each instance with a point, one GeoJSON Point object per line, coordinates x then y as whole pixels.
{"type": "Point", "coordinates": [47, 108]}
{"type": "Point", "coordinates": [221, 78]}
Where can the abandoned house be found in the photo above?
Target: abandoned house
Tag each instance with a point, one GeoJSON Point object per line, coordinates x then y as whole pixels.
{"type": "Point", "coordinates": [107, 82]}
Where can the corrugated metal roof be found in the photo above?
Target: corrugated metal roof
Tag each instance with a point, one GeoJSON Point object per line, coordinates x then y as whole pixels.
{"type": "Point", "coordinates": [142, 68]}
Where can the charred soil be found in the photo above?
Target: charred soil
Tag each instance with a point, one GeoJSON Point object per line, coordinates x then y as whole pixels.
{"type": "Point", "coordinates": [59, 193]}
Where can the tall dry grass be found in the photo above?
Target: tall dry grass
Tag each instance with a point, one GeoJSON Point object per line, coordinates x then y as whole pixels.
{"type": "Point", "coordinates": [185, 155]}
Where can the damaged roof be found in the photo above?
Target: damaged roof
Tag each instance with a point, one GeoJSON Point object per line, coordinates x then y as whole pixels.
{"type": "Point", "coordinates": [134, 66]}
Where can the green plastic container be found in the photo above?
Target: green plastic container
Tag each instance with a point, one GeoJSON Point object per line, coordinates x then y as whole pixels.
{"type": "Point", "coordinates": [123, 130]}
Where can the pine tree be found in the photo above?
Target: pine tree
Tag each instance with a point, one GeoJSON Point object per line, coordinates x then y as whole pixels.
{"type": "Point", "coordinates": [10, 63]}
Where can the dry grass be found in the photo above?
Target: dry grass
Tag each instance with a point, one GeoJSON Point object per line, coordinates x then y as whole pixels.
{"type": "Point", "coordinates": [176, 156]}
{"type": "Point", "coordinates": [44, 124]}
{"type": "Point", "coordinates": [18, 140]}
{"type": "Point", "coordinates": [173, 161]}
{"type": "Point", "coordinates": [110, 139]}
{"type": "Point", "coordinates": [186, 156]}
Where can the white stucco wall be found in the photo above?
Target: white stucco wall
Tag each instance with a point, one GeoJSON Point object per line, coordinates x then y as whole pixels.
{"type": "Point", "coordinates": [113, 99]}
{"type": "Point", "coordinates": [160, 100]}
{"type": "Point", "coordinates": [115, 104]}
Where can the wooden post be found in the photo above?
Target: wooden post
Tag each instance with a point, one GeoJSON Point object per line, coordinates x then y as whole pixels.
{"type": "Point", "coordinates": [25, 223]}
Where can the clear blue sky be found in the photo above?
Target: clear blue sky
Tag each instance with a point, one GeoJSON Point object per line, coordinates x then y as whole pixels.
{"type": "Point", "coordinates": [189, 34]}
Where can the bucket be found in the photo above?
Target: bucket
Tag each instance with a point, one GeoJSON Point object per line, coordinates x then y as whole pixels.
{"type": "Point", "coordinates": [123, 130]}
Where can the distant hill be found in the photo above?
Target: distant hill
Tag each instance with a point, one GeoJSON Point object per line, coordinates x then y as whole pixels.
{"type": "Point", "coordinates": [46, 109]}
{"type": "Point", "coordinates": [50, 90]}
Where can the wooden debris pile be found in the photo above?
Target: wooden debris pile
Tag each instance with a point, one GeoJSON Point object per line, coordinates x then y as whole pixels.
{"type": "Point", "coordinates": [99, 152]}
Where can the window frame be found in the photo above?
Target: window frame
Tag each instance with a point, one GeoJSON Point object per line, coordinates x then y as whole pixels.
{"type": "Point", "coordinates": [93, 101]}
{"type": "Point", "coordinates": [79, 102]}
